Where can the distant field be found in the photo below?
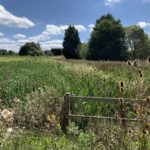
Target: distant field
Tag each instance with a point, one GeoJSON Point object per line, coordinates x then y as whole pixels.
{"type": "Point", "coordinates": [21, 76]}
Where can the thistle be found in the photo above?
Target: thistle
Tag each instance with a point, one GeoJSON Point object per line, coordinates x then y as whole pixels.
{"type": "Point", "coordinates": [147, 100]}
{"type": "Point", "coordinates": [121, 89]}
{"type": "Point", "coordinates": [121, 100]}
{"type": "Point", "coordinates": [129, 63]}
{"type": "Point", "coordinates": [122, 84]}
{"type": "Point", "coordinates": [136, 63]}
{"type": "Point", "coordinates": [141, 75]}
{"type": "Point", "coordinates": [116, 115]}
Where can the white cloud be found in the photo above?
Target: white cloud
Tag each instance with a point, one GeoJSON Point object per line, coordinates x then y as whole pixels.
{"type": "Point", "coordinates": [58, 30]}
{"type": "Point", "coordinates": [54, 29]}
{"type": "Point", "coordinates": [6, 43]}
{"type": "Point", "coordinates": [1, 34]}
{"type": "Point", "coordinates": [19, 36]}
{"type": "Point", "coordinates": [51, 31]}
{"type": "Point", "coordinates": [111, 2]}
{"type": "Point", "coordinates": [51, 44]}
{"type": "Point", "coordinates": [80, 28]}
{"type": "Point", "coordinates": [91, 26]}
{"type": "Point", "coordinates": [8, 19]}
{"type": "Point", "coordinates": [143, 24]}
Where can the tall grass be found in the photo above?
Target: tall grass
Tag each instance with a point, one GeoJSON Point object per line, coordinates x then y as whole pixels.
{"type": "Point", "coordinates": [23, 79]}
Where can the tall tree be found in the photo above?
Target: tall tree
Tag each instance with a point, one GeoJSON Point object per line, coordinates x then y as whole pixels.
{"type": "Point", "coordinates": [137, 42]}
{"type": "Point", "coordinates": [107, 40]}
{"type": "Point", "coordinates": [70, 43]}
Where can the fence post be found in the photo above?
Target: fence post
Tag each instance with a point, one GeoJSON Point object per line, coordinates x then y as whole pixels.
{"type": "Point", "coordinates": [72, 103]}
{"type": "Point", "coordinates": [65, 115]}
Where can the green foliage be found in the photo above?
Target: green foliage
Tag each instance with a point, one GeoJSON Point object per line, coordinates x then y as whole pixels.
{"type": "Point", "coordinates": [37, 140]}
{"type": "Point", "coordinates": [32, 49]}
{"type": "Point", "coordinates": [107, 40]}
{"type": "Point", "coordinates": [38, 108]}
{"type": "Point", "coordinates": [48, 53]}
{"type": "Point", "coordinates": [70, 43]}
{"type": "Point", "coordinates": [83, 50]}
{"type": "Point", "coordinates": [10, 52]}
{"type": "Point", "coordinates": [39, 84]}
{"type": "Point", "coordinates": [56, 51]}
{"type": "Point", "coordinates": [3, 52]}
{"type": "Point", "coordinates": [137, 42]}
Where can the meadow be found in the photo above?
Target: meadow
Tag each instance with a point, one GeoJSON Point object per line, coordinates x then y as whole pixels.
{"type": "Point", "coordinates": [32, 89]}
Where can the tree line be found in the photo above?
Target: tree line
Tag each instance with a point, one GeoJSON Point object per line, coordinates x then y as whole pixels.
{"type": "Point", "coordinates": [109, 40]}
{"type": "Point", "coordinates": [5, 52]}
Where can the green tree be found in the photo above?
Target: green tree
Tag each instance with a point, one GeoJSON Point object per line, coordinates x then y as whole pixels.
{"type": "Point", "coordinates": [137, 42]}
{"type": "Point", "coordinates": [48, 53]}
{"type": "Point", "coordinates": [3, 52]}
{"type": "Point", "coordinates": [31, 48]}
{"type": "Point", "coordinates": [83, 50]}
{"type": "Point", "coordinates": [10, 52]}
{"type": "Point", "coordinates": [107, 40]}
{"type": "Point", "coordinates": [70, 43]}
{"type": "Point", "coordinates": [56, 51]}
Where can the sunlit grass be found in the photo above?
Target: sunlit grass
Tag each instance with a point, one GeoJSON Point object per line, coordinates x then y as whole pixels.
{"type": "Point", "coordinates": [20, 76]}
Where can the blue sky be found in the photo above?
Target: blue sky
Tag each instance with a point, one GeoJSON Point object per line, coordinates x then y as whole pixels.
{"type": "Point", "coordinates": [45, 21]}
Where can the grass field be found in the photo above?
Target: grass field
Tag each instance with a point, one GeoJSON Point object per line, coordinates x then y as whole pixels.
{"type": "Point", "coordinates": [33, 89]}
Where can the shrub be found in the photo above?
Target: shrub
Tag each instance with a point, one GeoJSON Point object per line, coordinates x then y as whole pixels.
{"type": "Point", "coordinates": [48, 53]}
{"type": "Point", "coordinates": [56, 51]}
{"type": "Point", "coordinates": [32, 49]}
{"type": "Point", "coordinates": [39, 108]}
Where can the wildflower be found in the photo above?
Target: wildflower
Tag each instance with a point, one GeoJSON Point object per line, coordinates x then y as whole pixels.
{"type": "Point", "coordinates": [10, 131]}
{"type": "Point", "coordinates": [7, 115]}
{"type": "Point", "coordinates": [52, 119]}
{"type": "Point", "coordinates": [16, 100]}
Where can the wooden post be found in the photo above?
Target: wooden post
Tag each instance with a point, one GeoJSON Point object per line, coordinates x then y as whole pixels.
{"type": "Point", "coordinates": [72, 103]}
{"type": "Point", "coordinates": [65, 117]}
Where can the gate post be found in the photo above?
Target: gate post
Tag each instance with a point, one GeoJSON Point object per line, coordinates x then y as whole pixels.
{"type": "Point", "coordinates": [65, 115]}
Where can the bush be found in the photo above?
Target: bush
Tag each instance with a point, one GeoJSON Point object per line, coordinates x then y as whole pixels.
{"type": "Point", "coordinates": [10, 52]}
{"type": "Point", "coordinates": [48, 53]}
{"type": "Point", "coordinates": [3, 52]}
{"type": "Point", "coordinates": [56, 51]}
{"type": "Point", "coordinates": [41, 109]}
{"type": "Point", "coordinates": [32, 49]}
